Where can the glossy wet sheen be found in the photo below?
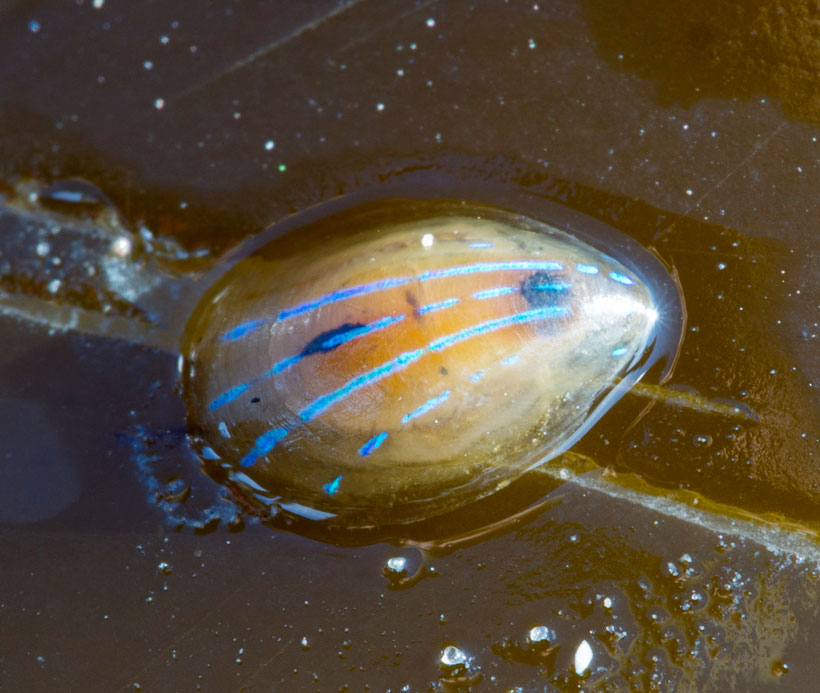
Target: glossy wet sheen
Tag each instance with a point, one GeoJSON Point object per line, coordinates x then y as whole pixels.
{"type": "Point", "coordinates": [406, 357]}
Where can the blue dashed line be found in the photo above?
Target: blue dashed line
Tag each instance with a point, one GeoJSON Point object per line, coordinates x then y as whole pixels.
{"type": "Point", "coordinates": [621, 278]}
{"type": "Point", "coordinates": [427, 406]}
{"type": "Point", "coordinates": [373, 444]}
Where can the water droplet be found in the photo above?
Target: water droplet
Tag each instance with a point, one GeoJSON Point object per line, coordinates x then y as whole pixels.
{"type": "Point", "coordinates": [451, 656]}
{"type": "Point", "coordinates": [702, 440]}
{"type": "Point", "coordinates": [396, 564]}
{"type": "Point", "coordinates": [541, 634]}
{"type": "Point", "coordinates": [779, 668]}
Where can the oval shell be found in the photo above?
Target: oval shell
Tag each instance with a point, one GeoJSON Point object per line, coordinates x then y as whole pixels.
{"type": "Point", "coordinates": [393, 362]}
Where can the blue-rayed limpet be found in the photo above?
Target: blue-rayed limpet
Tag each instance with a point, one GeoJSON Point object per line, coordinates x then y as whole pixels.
{"type": "Point", "coordinates": [395, 361]}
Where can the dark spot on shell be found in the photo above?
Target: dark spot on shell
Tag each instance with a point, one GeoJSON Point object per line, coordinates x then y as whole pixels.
{"type": "Point", "coordinates": [545, 289]}
{"type": "Point", "coordinates": [327, 340]}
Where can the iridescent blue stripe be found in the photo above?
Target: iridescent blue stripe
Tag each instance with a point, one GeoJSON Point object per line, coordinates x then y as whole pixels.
{"type": "Point", "coordinates": [267, 441]}
{"type": "Point", "coordinates": [621, 278]}
{"type": "Point", "coordinates": [339, 339]}
{"type": "Point", "coordinates": [263, 445]}
{"type": "Point", "coordinates": [392, 282]}
{"type": "Point", "coordinates": [373, 444]}
{"type": "Point", "coordinates": [478, 375]}
{"type": "Point", "coordinates": [497, 291]}
{"type": "Point", "coordinates": [241, 330]}
{"type": "Point", "coordinates": [229, 396]}
{"type": "Point", "coordinates": [333, 486]}
{"type": "Point", "coordinates": [403, 360]}
{"type": "Point", "coordinates": [587, 269]}
{"type": "Point", "coordinates": [550, 286]}
{"type": "Point", "coordinates": [481, 244]}
{"type": "Point", "coordinates": [427, 406]}
{"type": "Point", "coordinates": [510, 360]}
{"type": "Point", "coordinates": [284, 364]}
{"type": "Point", "coordinates": [430, 307]}
{"type": "Point", "coordinates": [620, 351]}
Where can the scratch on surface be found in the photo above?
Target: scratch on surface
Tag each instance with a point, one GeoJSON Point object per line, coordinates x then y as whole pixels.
{"type": "Point", "coordinates": [759, 147]}
{"type": "Point", "coordinates": [361, 38]}
{"type": "Point", "coordinates": [258, 674]}
{"type": "Point", "coordinates": [270, 47]}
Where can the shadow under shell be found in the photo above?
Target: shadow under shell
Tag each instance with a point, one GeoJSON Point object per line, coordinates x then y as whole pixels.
{"type": "Point", "coordinates": [395, 361]}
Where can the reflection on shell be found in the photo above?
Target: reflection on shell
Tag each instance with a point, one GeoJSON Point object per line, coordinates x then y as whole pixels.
{"type": "Point", "coordinates": [396, 361]}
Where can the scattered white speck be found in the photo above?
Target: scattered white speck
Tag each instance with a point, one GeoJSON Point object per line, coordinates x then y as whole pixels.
{"type": "Point", "coordinates": [685, 126]}
{"type": "Point", "coordinates": [531, 43]}
{"type": "Point", "coordinates": [583, 657]}
{"type": "Point", "coordinates": [607, 602]}
{"type": "Point", "coordinates": [148, 65]}
{"type": "Point", "coordinates": [269, 145]}
{"type": "Point", "coordinates": [400, 72]}
{"type": "Point", "coordinates": [98, 4]}
{"type": "Point", "coordinates": [34, 26]}
{"type": "Point", "coordinates": [721, 265]}
{"type": "Point", "coordinates": [427, 240]}
{"type": "Point", "coordinates": [54, 286]}
{"type": "Point", "coordinates": [689, 192]}
{"type": "Point", "coordinates": [431, 22]}
{"type": "Point", "coordinates": [164, 40]}
{"type": "Point", "coordinates": [43, 248]}
{"type": "Point", "coordinates": [159, 104]}
{"type": "Point", "coordinates": [380, 107]}
{"type": "Point", "coordinates": [121, 246]}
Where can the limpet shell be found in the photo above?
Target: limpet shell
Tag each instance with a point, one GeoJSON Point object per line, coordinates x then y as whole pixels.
{"type": "Point", "coordinates": [398, 360]}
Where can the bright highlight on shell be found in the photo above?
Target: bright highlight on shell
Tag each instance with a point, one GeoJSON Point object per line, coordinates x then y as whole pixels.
{"type": "Point", "coordinates": [398, 360]}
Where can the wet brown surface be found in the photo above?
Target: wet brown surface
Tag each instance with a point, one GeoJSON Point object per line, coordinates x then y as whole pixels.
{"type": "Point", "coordinates": [715, 166]}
